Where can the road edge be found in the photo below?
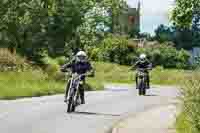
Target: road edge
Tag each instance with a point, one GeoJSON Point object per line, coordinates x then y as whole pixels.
{"type": "Point", "coordinates": [130, 117]}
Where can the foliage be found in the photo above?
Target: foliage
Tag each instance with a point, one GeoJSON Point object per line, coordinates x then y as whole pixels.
{"type": "Point", "coordinates": [168, 56]}
{"type": "Point", "coordinates": [186, 19]}
{"type": "Point", "coordinates": [27, 84]}
{"type": "Point", "coordinates": [36, 82]}
{"type": "Point", "coordinates": [146, 36]}
{"type": "Point", "coordinates": [9, 61]}
{"type": "Point", "coordinates": [191, 104]}
{"type": "Point", "coordinates": [185, 12]}
{"type": "Point", "coordinates": [114, 8]}
{"type": "Point", "coordinates": [163, 33]}
{"type": "Point", "coordinates": [39, 28]}
{"type": "Point", "coordinates": [115, 49]}
{"type": "Point", "coordinates": [119, 50]}
{"type": "Point", "coordinates": [182, 125]}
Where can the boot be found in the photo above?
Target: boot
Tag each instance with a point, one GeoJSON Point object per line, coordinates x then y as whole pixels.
{"type": "Point", "coordinates": [136, 80]}
{"type": "Point", "coordinates": [148, 85]}
{"type": "Point", "coordinates": [148, 82]}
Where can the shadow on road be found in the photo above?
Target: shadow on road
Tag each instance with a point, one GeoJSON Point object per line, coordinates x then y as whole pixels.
{"type": "Point", "coordinates": [93, 113]}
{"type": "Point", "coordinates": [151, 95]}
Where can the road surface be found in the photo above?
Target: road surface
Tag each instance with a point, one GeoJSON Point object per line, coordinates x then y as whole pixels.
{"type": "Point", "coordinates": [102, 110]}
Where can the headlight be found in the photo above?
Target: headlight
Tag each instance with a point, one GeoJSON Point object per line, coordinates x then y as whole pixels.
{"type": "Point", "coordinates": [141, 74]}
{"type": "Point", "coordinates": [81, 82]}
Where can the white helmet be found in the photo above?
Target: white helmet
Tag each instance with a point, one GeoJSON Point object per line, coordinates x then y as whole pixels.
{"type": "Point", "coordinates": [81, 53]}
{"type": "Point", "coordinates": [143, 56]}
{"type": "Point", "coordinates": [81, 56]}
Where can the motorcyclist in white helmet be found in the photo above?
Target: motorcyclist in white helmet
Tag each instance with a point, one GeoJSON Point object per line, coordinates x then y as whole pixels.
{"type": "Point", "coordinates": [143, 63]}
{"type": "Point", "coordinates": [80, 65]}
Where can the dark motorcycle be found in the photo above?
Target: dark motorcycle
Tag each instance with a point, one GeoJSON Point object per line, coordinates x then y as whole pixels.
{"type": "Point", "coordinates": [73, 95]}
{"type": "Point", "coordinates": [142, 81]}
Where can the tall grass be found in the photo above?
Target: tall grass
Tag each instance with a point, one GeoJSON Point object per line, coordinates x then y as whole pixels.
{"type": "Point", "coordinates": [114, 73]}
{"type": "Point", "coordinates": [109, 73]}
{"type": "Point", "coordinates": [27, 84]}
{"type": "Point", "coordinates": [162, 76]}
{"type": "Point", "coordinates": [37, 82]}
{"type": "Point", "coordinates": [189, 120]}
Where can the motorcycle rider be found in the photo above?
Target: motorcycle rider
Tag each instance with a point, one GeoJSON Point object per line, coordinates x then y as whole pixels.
{"type": "Point", "coordinates": [79, 65]}
{"type": "Point", "coordinates": [143, 63]}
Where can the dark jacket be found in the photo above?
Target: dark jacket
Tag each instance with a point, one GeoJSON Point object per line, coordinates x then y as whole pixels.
{"type": "Point", "coordinates": [143, 64]}
{"type": "Point", "coordinates": [77, 67]}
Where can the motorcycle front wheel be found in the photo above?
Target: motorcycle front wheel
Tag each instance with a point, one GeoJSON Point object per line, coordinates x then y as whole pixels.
{"type": "Point", "coordinates": [69, 106]}
{"type": "Point", "coordinates": [141, 87]}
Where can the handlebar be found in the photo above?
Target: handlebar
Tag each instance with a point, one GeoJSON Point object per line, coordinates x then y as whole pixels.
{"type": "Point", "coordinates": [143, 69]}
{"type": "Point", "coordinates": [78, 76]}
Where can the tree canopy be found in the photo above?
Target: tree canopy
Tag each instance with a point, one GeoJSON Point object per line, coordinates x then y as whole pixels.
{"type": "Point", "coordinates": [38, 27]}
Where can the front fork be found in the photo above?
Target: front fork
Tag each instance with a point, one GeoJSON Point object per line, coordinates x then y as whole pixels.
{"type": "Point", "coordinates": [68, 90]}
{"type": "Point", "coordinates": [145, 79]}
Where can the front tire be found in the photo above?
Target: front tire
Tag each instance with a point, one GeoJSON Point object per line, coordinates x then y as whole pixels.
{"type": "Point", "coordinates": [141, 87]}
{"type": "Point", "coordinates": [69, 107]}
{"type": "Point", "coordinates": [73, 108]}
{"type": "Point", "coordinates": [144, 91]}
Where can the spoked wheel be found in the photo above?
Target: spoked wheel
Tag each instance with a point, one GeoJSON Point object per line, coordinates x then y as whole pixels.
{"type": "Point", "coordinates": [73, 108]}
{"type": "Point", "coordinates": [73, 102]}
{"type": "Point", "coordinates": [144, 91]}
{"type": "Point", "coordinates": [69, 107]}
{"type": "Point", "coordinates": [141, 87]}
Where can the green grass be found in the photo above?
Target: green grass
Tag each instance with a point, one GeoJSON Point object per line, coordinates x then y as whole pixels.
{"type": "Point", "coordinates": [189, 120]}
{"type": "Point", "coordinates": [182, 124]}
{"type": "Point", "coordinates": [25, 84]}
{"type": "Point", "coordinates": [37, 83]}
{"type": "Point", "coordinates": [114, 73]}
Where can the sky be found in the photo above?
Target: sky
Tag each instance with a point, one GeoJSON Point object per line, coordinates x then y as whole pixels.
{"type": "Point", "coordinates": [153, 13]}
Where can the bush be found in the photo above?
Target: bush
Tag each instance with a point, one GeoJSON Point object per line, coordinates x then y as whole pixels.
{"type": "Point", "coordinates": [94, 54]}
{"type": "Point", "coordinates": [27, 84]}
{"type": "Point", "coordinates": [114, 49]}
{"type": "Point", "coordinates": [120, 50]}
{"type": "Point", "coordinates": [191, 104]}
{"type": "Point", "coordinates": [61, 60]}
{"type": "Point", "coordinates": [52, 68]}
{"type": "Point", "coordinates": [167, 56]}
{"type": "Point", "coordinates": [9, 61]}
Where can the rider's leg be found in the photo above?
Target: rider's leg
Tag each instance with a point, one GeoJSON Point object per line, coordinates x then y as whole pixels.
{"type": "Point", "coordinates": [148, 81]}
{"type": "Point", "coordinates": [82, 93]}
{"type": "Point", "coordinates": [136, 80]}
{"type": "Point", "coordinates": [67, 90]}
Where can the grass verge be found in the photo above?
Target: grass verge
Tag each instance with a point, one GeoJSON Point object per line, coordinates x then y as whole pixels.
{"type": "Point", "coordinates": [37, 83]}
{"type": "Point", "coordinates": [27, 84]}
{"type": "Point", "coordinates": [114, 73]}
{"type": "Point", "coordinates": [189, 120]}
{"type": "Point", "coordinates": [182, 124]}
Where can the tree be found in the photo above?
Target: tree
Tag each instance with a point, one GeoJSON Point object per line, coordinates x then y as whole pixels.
{"type": "Point", "coordinates": [184, 12]}
{"type": "Point", "coordinates": [114, 9]}
{"type": "Point", "coordinates": [186, 19]}
{"type": "Point", "coordinates": [163, 33]}
{"type": "Point", "coordinates": [38, 28]}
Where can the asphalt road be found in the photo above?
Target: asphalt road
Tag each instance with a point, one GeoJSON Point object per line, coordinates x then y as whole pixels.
{"type": "Point", "coordinates": [101, 111]}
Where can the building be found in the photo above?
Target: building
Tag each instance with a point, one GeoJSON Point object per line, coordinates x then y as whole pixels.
{"type": "Point", "coordinates": [195, 55]}
{"type": "Point", "coordinates": [129, 20]}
